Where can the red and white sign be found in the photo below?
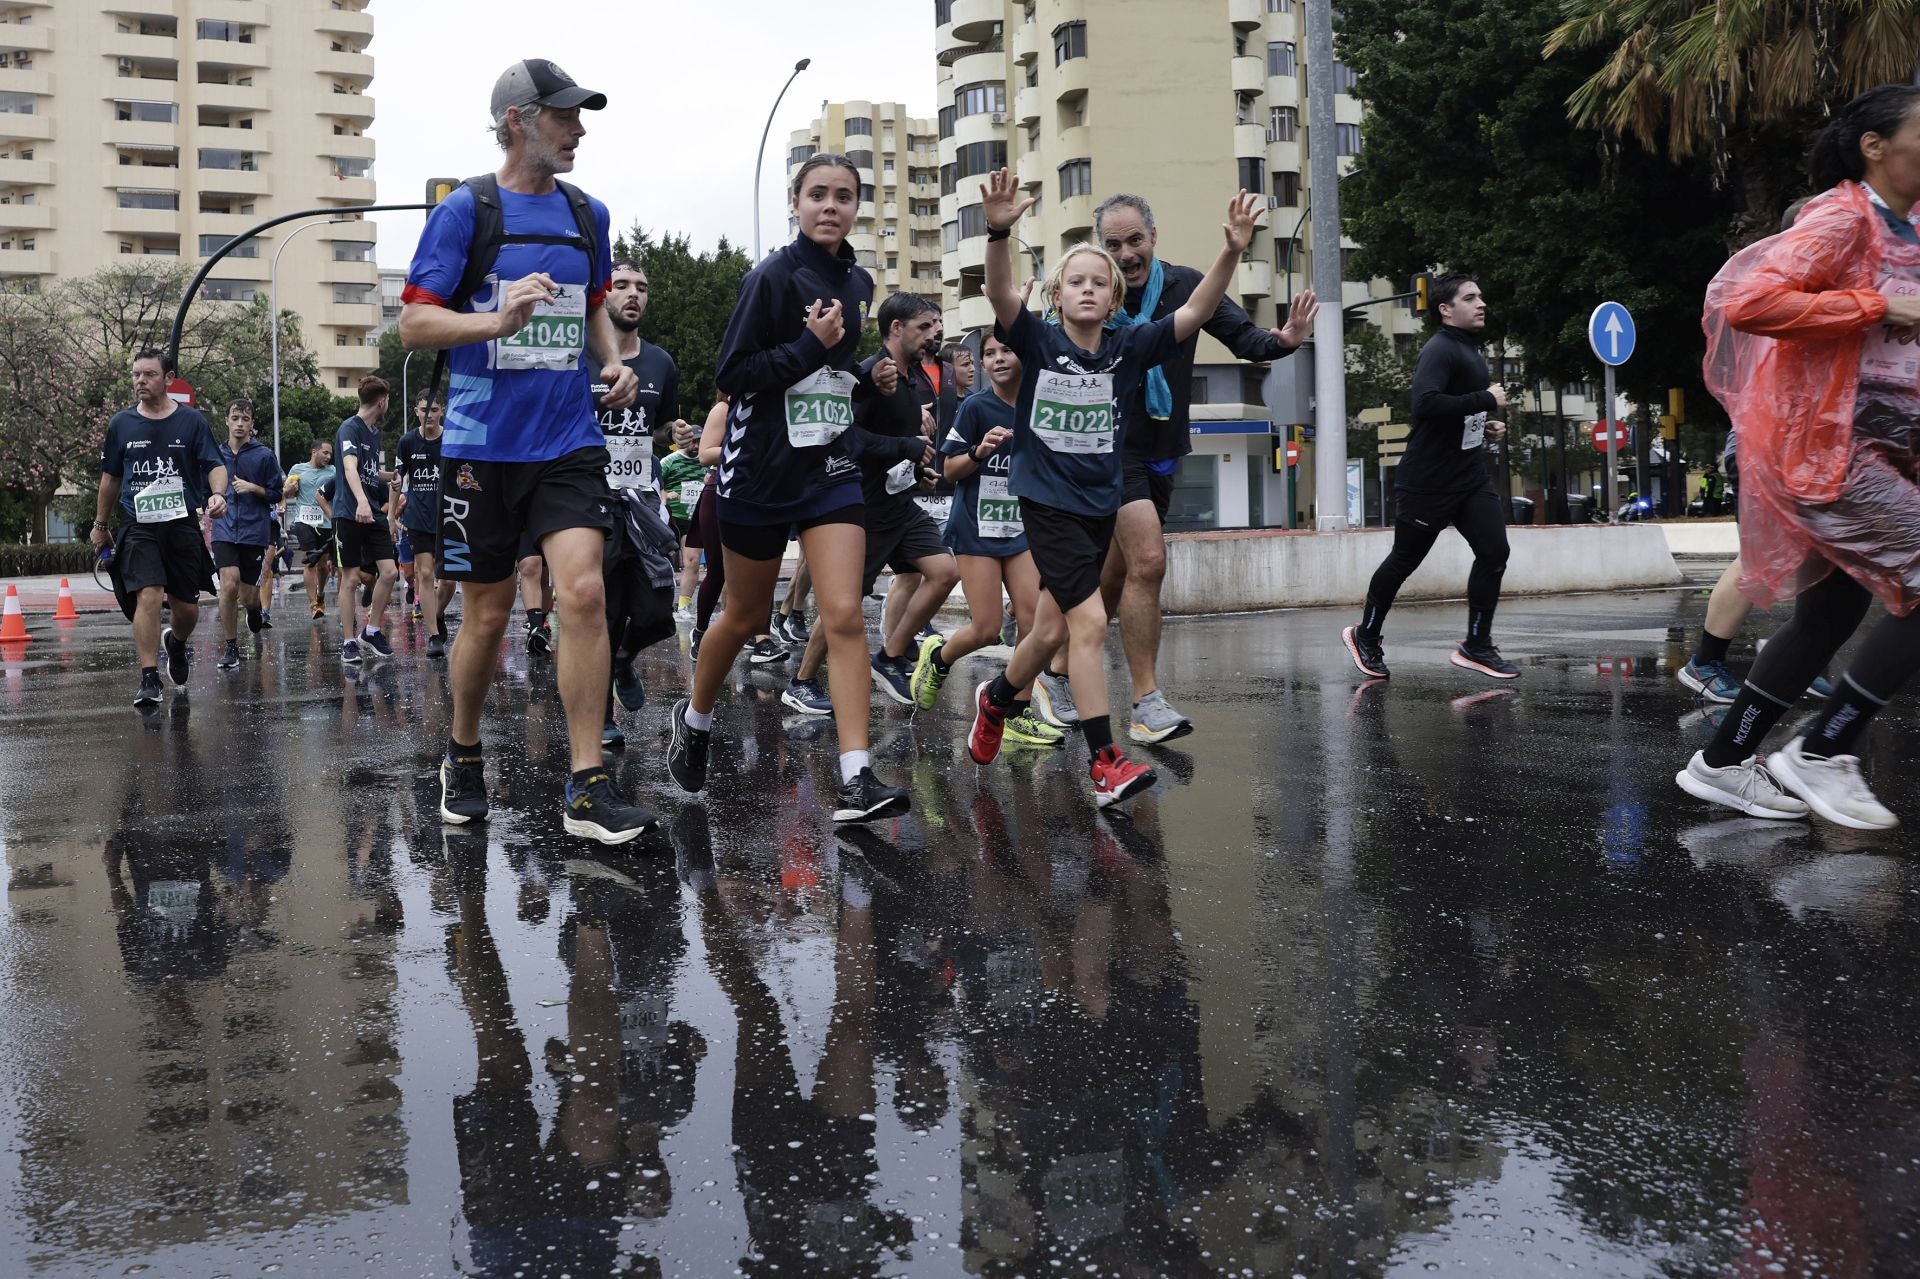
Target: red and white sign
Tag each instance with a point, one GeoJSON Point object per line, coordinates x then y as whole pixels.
{"type": "Point", "coordinates": [179, 392]}
{"type": "Point", "coordinates": [1618, 667]}
{"type": "Point", "coordinates": [1619, 436]}
{"type": "Point", "coordinates": [1293, 453]}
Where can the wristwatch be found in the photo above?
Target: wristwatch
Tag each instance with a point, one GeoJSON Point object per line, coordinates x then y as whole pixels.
{"type": "Point", "coordinates": [973, 455]}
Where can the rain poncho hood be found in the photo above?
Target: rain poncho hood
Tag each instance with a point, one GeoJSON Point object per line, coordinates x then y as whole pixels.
{"type": "Point", "coordinates": [1785, 321]}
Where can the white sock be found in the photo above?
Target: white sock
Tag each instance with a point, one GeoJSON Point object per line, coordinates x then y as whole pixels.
{"type": "Point", "coordinates": [851, 762]}
{"type": "Point", "coordinates": [696, 720]}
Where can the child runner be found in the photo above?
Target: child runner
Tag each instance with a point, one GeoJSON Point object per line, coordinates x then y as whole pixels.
{"type": "Point", "coordinates": [682, 480]}
{"type": "Point", "coordinates": [987, 539]}
{"type": "Point", "coordinates": [789, 361]}
{"type": "Point", "coordinates": [1066, 459]}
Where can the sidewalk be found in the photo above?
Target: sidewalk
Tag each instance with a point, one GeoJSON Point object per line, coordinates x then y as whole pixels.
{"type": "Point", "coordinates": [39, 595]}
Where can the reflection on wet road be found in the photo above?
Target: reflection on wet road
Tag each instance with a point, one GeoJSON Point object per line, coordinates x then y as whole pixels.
{"type": "Point", "coordinates": [1379, 980]}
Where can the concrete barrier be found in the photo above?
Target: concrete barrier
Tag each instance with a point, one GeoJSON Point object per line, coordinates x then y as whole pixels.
{"type": "Point", "coordinates": [1720, 537]}
{"type": "Point", "coordinates": [1259, 569]}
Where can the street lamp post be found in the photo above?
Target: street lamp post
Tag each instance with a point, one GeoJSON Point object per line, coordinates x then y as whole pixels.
{"type": "Point", "coordinates": [761, 155]}
{"type": "Point", "coordinates": [273, 305]}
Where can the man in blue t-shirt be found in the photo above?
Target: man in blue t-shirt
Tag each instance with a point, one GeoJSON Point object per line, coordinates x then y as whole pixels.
{"type": "Point", "coordinates": [243, 537]}
{"type": "Point", "coordinates": [523, 454]}
{"type": "Point", "coordinates": [160, 465]}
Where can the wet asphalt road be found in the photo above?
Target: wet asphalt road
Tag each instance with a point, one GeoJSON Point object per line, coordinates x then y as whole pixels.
{"type": "Point", "coordinates": [1383, 980]}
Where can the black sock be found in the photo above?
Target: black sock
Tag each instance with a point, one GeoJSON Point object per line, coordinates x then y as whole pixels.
{"type": "Point", "coordinates": [1749, 720]}
{"type": "Point", "coordinates": [535, 616]}
{"type": "Point", "coordinates": [150, 670]}
{"type": "Point", "coordinates": [940, 662]}
{"type": "Point", "coordinates": [1711, 648]}
{"type": "Point", "coordinates": [1099, 732]}
{"type": "Point", "coordinates": [1848, 712]}
{"type": "Point", "coordinates": [581, 776]}
{"type": "Point", "coordinates": [1001, 693]}
{"type": "Point", "coordinates": [1050, 671]}
{"type": "Point", "coordinates": [463, 754]}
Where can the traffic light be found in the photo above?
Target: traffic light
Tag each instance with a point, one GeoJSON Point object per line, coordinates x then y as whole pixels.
{"type": "Point", "coordinates": [1677, 403]}
{"type": "Point", "coordinates": [1421, 284]}
{"type": "Point", "coordinates": [439, 189]}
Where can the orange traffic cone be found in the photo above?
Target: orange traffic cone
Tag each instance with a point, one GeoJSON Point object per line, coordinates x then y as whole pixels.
{"type": "Point", "coordinates": [13, 626]}
{"type": "Point", "coordinates": [64, 611]}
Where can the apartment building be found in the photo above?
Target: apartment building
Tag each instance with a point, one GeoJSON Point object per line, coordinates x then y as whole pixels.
{"type": "Point", "coordinates": [897, 233]}
{"type": "Point", "coordinates": [1180, 102]}
{"type": "Point", "coordinates": [140, 129]}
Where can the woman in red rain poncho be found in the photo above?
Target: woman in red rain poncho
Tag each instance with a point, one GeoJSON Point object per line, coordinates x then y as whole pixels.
{"type": "Point", "coordinates": [1813, 345]}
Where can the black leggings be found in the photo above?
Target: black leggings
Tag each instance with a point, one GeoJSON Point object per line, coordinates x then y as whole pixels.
{"type": "Point", "coordinates": [1421, 518]}
{"type": "Point", "coordinates": [1825, 616]}
{"type": "Point", "coordinates": [706, 516]}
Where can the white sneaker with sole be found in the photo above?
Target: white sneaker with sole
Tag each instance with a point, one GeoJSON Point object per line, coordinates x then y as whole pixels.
{"type": "Point", "coordinates": [1746, 786]}
{"type": "Point", "coordinates": [1833, 788]}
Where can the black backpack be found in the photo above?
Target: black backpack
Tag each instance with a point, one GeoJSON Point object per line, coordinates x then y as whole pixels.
{"type": "Point", "coordinates": [490, 233]}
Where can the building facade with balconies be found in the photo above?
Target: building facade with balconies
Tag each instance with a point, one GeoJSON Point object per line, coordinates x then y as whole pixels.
{"type": "Point", "coordinates": [1180, 103]}
{"type": "Point", "coordinates": [143, 129]}
{"type": "Point", "coordinates": [897, 233]}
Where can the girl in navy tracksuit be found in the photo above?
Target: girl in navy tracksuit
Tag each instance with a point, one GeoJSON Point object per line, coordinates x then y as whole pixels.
{"type": "Point", "coordinates": [788, 361]}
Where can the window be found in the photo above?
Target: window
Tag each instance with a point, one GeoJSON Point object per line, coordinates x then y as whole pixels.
{"type": "Point", "coordinates": [16, 103]}
{"type": "Point", "coordinates": [149, 199]}
{"type": "Point", "coordinates": [1253, 175]}
{"type": "Point", "coordinates": [949, 237]}
{"type": "Point", "coordinates": [1279, 6]}
{"type": "Point", "coordinates": [223, 158]}
{"type": "Point", "coordinates": [973, 221]}
{"type": "Point", "coordinates": [866, 193]}
{"type": "Point", "coordinates": [893, 261]}
{"type": "Point", "coordinates": [886, 166]}
{"type": "Point", "coordinates": [1069, 41]}
{"type": "Point", "coordinates": [942, 12]}
{"type": "Point", "coordinates": [146, 112]}
{"type": "Point", "coordinates": [1286, 189]}
{"type": "Point", "coordinates": [1344, 78]}
{"type": "Point", "coordinates": [1346, 139]}
{"type": "Point", "coordinates": [1076, 178]}
{"type": "Point", "coordinates": [988, 95]}
{"type": "Point", "coordinates": [348, 166]}
{"type": "Point", "coordinates": [800, 155]}
{"type": "Point", "coordinates": [208, 30]}
{"type": "Point", "coordinates": [861, 159]}
{"type": "Point", "coordinates": [947, 115]}
{"type": "Point", "coordinates": [859, 126]}
{"type": "Point", "coordinates": [352, 293]}
{"type": "Point", "coordinates": [1283, 124]}
{"type": "Point", "coordinates": [1280, 59]}
{"type": "Point", "coordinates": [229, 290]}
{"type": "Point", "coordinates": [210, 245]}
{"type": "Point", "coordinates": [979, 158]}
{"type": "Point", "coordinates": [949, 178]}
{"type": "Point", "coordinates": [352, 251]}
{"type": "Point", "coordinates": [864, 257]}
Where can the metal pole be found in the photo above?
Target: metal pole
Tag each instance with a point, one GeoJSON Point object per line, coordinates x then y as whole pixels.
{"type": "Point", "coordinates": [273, 307]}
{"type": "Point", "coordinates": [1329, 329]}
{"type": "Point", "coordinates": [1612, 450]}
{"type": "Point", "coordinates": [406, 396]}
{"type": "Point", "coordinates": [761, 155]}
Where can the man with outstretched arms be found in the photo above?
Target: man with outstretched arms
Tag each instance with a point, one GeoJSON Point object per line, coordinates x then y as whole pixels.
{"type": "Point", "coordinates": [522, 452]}
{"type": "Point", "coordinates": [160, 463]}
{"type": "Point", "coordinates": [1136, 565]}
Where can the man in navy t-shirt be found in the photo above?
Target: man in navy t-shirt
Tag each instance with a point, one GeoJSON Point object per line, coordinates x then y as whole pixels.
{"type": "Point", "coordinates": [160, 464]}
{"type": "Point", "coordinates": [360, 526]}
{"type": "Point", "coordinates": [523, 454]}
{"type": "Point", "coordinates": [243, 537]}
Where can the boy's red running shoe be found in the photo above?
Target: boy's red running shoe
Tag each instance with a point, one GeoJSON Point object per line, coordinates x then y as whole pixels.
{"type": "Point", "coordinates": [1115, 777]}
{"type": "Point", "coordinates": [983, 743]}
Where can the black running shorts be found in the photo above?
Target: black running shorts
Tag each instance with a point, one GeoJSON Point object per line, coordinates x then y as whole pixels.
{"type": "Point", "coordinates": [1068, 549]}
{"type": "Point", "coordinates": [492, 512]}
{"type": "Point", "coordinates": [425, 541]}
{"type": "Point", "coordinates": [170, 555]}
{"type": "Point", "coordinates": [898, 535]}
{"type": "Point", "coordinates": [764, 542]}
{"type": "Point", "coordinates": [364, 545]}
{"type": "Point", "coordinates": [248, 559]}
{"type": "Point", "coordinates": [1141, 485]}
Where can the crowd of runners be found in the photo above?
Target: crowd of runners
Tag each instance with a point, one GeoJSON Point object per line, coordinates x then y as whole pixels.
{"type": "Point", "coordinates": [1031, 469]}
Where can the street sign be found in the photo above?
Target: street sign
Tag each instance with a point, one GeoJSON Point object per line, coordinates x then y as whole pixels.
{"type": "Point", "coordinates": [1600, 434]}
{"type": "Point", "coordinates": [179, 392]}
{"type": "Point", "coordinates": [1610, 333]}
{"type": "Point", "coordinates": [1293, 453]}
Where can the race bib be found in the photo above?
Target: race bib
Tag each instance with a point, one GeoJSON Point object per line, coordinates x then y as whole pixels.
{"type": "Point", "coordinates": [996, 510]}
{"type": "Point", "coordinates": [307, 513]}
{"type": "Point", "coordinates": [643, 1024]}
{"type": "Point", "coordinates": [161, 501]}
{"type": "Point", "coordinates": [690, 491]}
{"type": "Point", "coordinates": [630, 461]}
{"type": "Point", "coordinates": [1886, 357]}
{"type": "Point", "coordinates": [938, 506]}
{"type": "Point", "coordinates": [1475, 432]}
{"type": "Point", "coordinates": [176, 902]}
{"type": "Point", "coordinates": [553, 339]}
{"type": "Point", "coordinates": [1073, 412]}
{"type": "Point", "coordinates": [900, 476]}
{"type": "Point", "coordinates": [819, 408]}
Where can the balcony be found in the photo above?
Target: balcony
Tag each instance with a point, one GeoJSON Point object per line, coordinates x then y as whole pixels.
{"type": "Point", "coordinates": [1076, 216]}
{"type": "Point", "coordinates": [140, 177]}
{"type": "Point", "coordinates": [950, 268]}
{"type": "Point", "coordinates": [352, 148]}
{"type": "Point", "coordinates": [1250, 75]}
{"type": "Point", "coordinates": [1245, 15]}
{"type": "Point", "coordinates": [234, 181]}
{"type": "Point", "coordinates": [1249, 142]}
{"type": "Point", "coordinates": [1026, 105]}
{"type": "Point", "coordinates": [974, 21]}
{"type": "Point", "coordinates": [249, 54]}
{"type": "Point", "coordinates": [1029, 172]}
{"type": "Point", "coordinates": [1071, 80]}
{"type": "Point", "coordinates": [1253, 279]}
{"type": "Point", "coordinates": [143, 221]}
{"type": "Point", "coordinates": [1285, 88]}
{"type": "Point", "coordinates": [347, 22]}
{"type": "Point", "coordinates": [976, 313]}
{"type": "Point", "coordinates": [1026, 42]}
{"type": "Point", "coordinates": [27, 128]}
{"type": "Point", "coordinates": [972, 255]}
{"type": "Point", "coordinates": [26, 217]}
{"type": "Point", "coordinates": [26, 262]}
{"type": "Point", "coordinates": [974, 68]}
{"type": "Point", "coordinates": [978, 127]}
{"type": "Point", "coordinates": [26, 173]}
{"type": "Point", "coordinates": [222, 138]}
{"type": "Point", "coordinates": [348, 66]}
{"type": "Point", "coordinates": [138, 48]}
{"type": "Point", "coordinates": [35, 82]}
{"type": "Point", "coordinates": [33, 39]}
{"type": "Point", "coordinates": [232, 97]}
{"type": "Point", "coordinates": [332, 272]}
{"type": "Point", "coordinates": [256, 270]}
{"type": "Point", "coordinates": [355, 357]}
{"type": "Point", "coordinates": [349, 315]}
{"type": "Point", "coordinates": [1286, 157]}
{"type": "Point", "coordinates": [348, 190]}
{"type": "Point", "coordinates": [357, 107]}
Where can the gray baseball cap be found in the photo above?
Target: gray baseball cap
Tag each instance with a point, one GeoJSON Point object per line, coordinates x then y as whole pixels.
{"type": "Point", "coordinates": [539, 80]}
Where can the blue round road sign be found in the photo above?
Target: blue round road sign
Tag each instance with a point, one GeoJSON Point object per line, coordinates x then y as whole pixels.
{"type": "Point", "coordinates": [1610, 333]}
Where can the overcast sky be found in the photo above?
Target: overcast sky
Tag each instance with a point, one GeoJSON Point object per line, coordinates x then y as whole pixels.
{"type": "Point", "coordinates": [688, 84]}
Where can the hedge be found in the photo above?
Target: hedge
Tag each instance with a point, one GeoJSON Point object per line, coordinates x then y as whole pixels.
{"type": "Point", "coordinates": [43, 559]}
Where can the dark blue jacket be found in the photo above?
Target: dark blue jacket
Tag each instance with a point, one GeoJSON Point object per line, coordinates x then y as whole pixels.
{"type": "Point", "coordinates": [249, 517]}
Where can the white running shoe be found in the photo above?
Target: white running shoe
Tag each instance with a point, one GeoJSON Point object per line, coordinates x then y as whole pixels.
{"type": "Point", "coordinates": [1833, 788]}
{"type": "Point", "coordinates": [1746, 786]}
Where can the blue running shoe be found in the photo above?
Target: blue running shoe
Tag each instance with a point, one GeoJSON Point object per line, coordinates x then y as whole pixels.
{"type": "Point", "coordinates": [1712, 680]}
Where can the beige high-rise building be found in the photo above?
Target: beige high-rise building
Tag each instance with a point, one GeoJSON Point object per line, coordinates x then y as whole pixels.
{"type": "Point", "coordinates": [141, 129]}
{"type": "Point", "coordinates": [1181, 102]}
{"type": "Point", "coordinates": [897, 233]}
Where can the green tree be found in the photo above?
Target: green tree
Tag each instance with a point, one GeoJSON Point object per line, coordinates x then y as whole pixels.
{"type": "Point", "coordinates": [691, 297]}
{"type": "Point", "coordinates": [1470, 162]}
{"type": "Point", "coordinates": [1379, 375]}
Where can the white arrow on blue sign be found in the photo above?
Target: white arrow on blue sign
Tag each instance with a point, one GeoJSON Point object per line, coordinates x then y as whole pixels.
{"type": "Point", "coordinates": [1610, 333]}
